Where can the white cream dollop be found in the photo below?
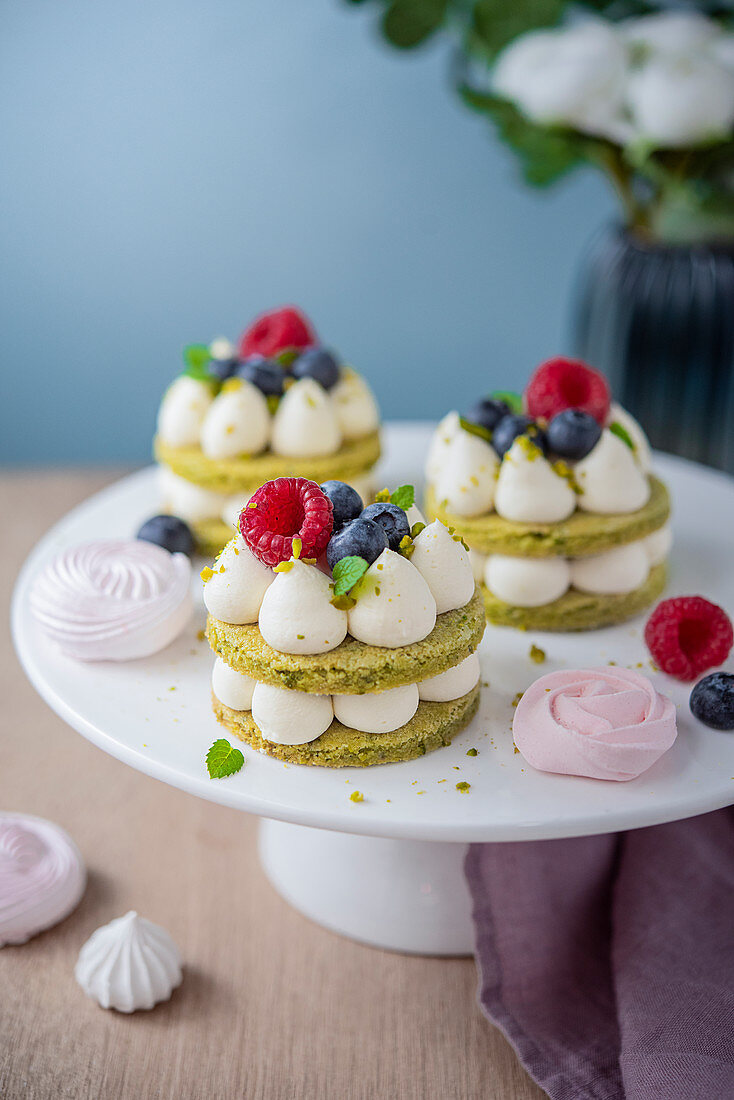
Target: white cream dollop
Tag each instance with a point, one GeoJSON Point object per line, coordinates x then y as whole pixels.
{"type": "Point", "coordinates": [612, 573]}
{"type": "Point", "coordinates": [529, 490]}
{"type": "Point", "coordinates": [394, 607]}
{"type": "Point", "coordinates": [478, 562]}
{"type": "Point", "coordinates": [238, 422]}
{"type": "Point", "coordinates": [527, 582]}
{"type": "Point", "coordinates": [609, 478]}
{"type": "Point", "coordinates": [297, 615]}
{"type": "Point", "coordinates": [465, 482]}
{"type": "Point", "coordinates": [445, 432]}
{"type": "Point", "coordinates": [186, 500]}
{"type": "Point", "coordinates": [453, 683]}
{"type": "Point", "coordinates": [444, 564]}
{"type": "Point", "coordinates": [129, 964]}
{"type": "Point", "coordinates": [377, 712]}
{"type": "Point", "coordinates": [658, 544]}
{"type": "Point", "coordinates": [355, 405]}
{"type": "Point", "coordinates": [230, 513]}
{"type": "Point", "coordinates": [306, 423]}
{"type": "Point", "coordinates": [231, 687]}
{"type": "Point", "coordinates": [643, 454]}
{"type": "Point", "coordinates": [113, 599]}
{"type": "Point", "coordinates": [235, 592]}
{"type": "Point", "coordinates": [415, 515]}
{"type": "Point", "coordinates": [183, 408]}
{"type": "Point", "coordinates": [290, 717]}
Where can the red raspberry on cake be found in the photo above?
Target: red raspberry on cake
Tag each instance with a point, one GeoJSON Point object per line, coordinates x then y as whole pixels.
{"type": "Point", "coordinates": [688, 635]}
{"type": "Point", "coordinates": [283, 510]}
{"type": "Point", "coordinates": [275, 331]}
{"type": "Point", "coordinates": [562, 384]}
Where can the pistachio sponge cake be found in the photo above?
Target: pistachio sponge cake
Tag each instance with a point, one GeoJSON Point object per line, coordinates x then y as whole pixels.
{"type": "Point", "coordinates": [277, 404]}
{"type": "Point", "coordinates": [554, 494]}
{"type": "Point", "coordinates": [344, 635]}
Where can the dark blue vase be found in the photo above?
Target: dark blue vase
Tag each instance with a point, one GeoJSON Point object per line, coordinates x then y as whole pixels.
{"type": "Point", "coordinates": [659, 321]}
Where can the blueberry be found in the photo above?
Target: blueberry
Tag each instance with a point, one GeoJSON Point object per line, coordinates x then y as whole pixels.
{"type": "Point", "coordinates": [346, 501]}
{"type": "Point", "coordinates": [263, 373]}
{"type": "Point", "coordinates": [392, 519]}
{"type": "Point", "coordinates": [511, 427]}
{"type": "Point", "coordinates": [170, 532]}
{"type": "Point", "coordinates": [362, 537]}
{"type": "Point", "coordinates": [712, 700]}
{"type": "Point", "coordinates": [487, 413]}
{"type": "Point", "coordinates": [222, 368]}
{"type": "Point", "coordinates": [319, 364]}
{"type": "Point", "coordinates": [572, 434]}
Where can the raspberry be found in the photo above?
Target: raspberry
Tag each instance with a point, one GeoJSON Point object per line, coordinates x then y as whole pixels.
{"type": "Point", "coordinates": [276, 330]}
{"type": "Point", "coordinates": [284, 509]}
{"type": "Point", "coordinates": [687, 635]}
{"type": "Point", "coordinates": [562, 384]}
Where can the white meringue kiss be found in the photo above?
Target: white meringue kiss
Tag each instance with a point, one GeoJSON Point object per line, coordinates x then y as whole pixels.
{"type": "Point", "coordinates": [446, 431]}
{"type": "Point", "coordinates": [235, 594]}
{"type": "Point", "coordinates": [129, 964]}
{"type": "Point", "coordinates": [306, 422]}
{"type": "Point", "coordinates": [444, 564]}
{"type": "Point", "coordinates": [529, 490]}
{"type": "Point", "coordinates": [290, 717]}
{"type": "Point", "coordinates": [610, 479]}
{"type": "Point", "coordinates": [378, 712]}
{"type": "Point", "coordinates": [356, 409]}
{"type": "Point", "coordinates": [231, 687]}
{"type": "Point", "coordinates": [182, 411]}
{"type": "Point", "coordinates": [297, 615]}
{"type": "Point", "coordinates": [42, 876]}
{"type": "Point", "coordinates": [465, 481]}
{"type": "Point", "coordinates": [394, 607]}
{"type": "Point", "coordinates": [237, 423]}
{"type": "Point", "coordinates": [453, 683]}
{"type": "Point", "coordinates": [113, 600]}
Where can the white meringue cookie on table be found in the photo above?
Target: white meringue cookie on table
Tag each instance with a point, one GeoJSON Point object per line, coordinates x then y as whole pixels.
{"type": "Point", "coordinates": [183, 408]}
{"type": "Point", "coordinates": [297, 616]}
{"type": "Point", "coordinates": [394, 607]}
{"type": "Point", "coordinates": [290, 717]}
{"type": "Point", "coordinates": [239, 581]}
{"type": "Point", "coordinates": [453, 683]}
{"type": "Point", "coordinates": [642, 452]}
{"type": "Point", "coordinates": [527, 582]}
{"type": "Point", "coordinates": [465, 482]}
{"type": "Point", "coordinates": [609, 479]}
{"type": "Point", "coordinates": [129, 964]}
{"type": "Point", "coordinates": [446, 431]}
{"type": "Point", "coordinates": [238, 422]}
{"type": "Point", "coordinates": [306, 422]}
{"type": "Point", "coordinates": [528, 488]}
{"type": "Point", "coordinates": [612, 573]}
{"type": "Point", "coordinates": [231, 687]}
{"type": "Point", "coordinates": [658, 544]}
{"type": "Point", "coordinates": [356, 409]}
{"type": "Point", "coordinates": [444, 564]}
{"type": "Point", "coordinates": [377, 712]}
{"type": "Point", "coordinates": [186, 500]}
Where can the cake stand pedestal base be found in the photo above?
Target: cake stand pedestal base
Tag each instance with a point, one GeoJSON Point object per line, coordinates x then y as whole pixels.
{"type": "Point", "coordinates": [403, 895]}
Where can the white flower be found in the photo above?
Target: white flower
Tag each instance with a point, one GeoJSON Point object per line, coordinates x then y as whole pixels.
{"type": "Point", "coordinates": [573, 76]}
{"type": "Point", "coordinates": [677, 33]}
{"type": "Point", "coordinates": [678, 101]}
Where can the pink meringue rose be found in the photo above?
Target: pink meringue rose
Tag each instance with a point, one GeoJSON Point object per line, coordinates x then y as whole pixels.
{"type": "Point", "coordinates": [606, 723]}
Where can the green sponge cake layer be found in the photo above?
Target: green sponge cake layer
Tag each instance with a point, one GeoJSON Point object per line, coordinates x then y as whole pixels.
{"type": "Point", "coordinates": [246, 474]}
{"type": "Point", "coordinates": [353, 668]}
{"type": "Point", "coordinates": [577, 610]}
{"type": "Point", "coordinates": [581, 534]}
{"type": "Point", "coordinates": [432, 726]}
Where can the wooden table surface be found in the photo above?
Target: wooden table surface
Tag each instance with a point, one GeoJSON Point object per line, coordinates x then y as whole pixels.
{"type": "Point", "coordinates": [272, 1006]}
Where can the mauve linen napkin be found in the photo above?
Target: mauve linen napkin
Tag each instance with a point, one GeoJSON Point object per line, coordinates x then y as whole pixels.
{"type": "Point", "coordinates": [608, 961]}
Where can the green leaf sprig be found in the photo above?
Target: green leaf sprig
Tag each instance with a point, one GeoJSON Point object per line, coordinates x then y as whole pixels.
{"type": "Point", "coordinates": [403, 497]}
{"type": "Point", "coordinates": [617, 429]}
{"type": "Point", "coordinates": [347, 572]}
{"type": "Point", "coordinates": [222, 760]}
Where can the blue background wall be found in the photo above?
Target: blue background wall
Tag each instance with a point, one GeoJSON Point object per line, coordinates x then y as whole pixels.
{"type": "Point", "coordinates": [171, 167]}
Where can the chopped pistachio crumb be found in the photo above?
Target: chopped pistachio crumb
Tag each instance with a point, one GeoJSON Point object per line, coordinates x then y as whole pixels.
{"type": "Point", "coordinates": [406, 546]}
{"type": "Point", "coordinates": [463, 786]}
{"type": "Point", "coordinates": [343, 603]}
{"type": "Point", "coordinates": [472, 752]}
{"type": "Point", "coordinates": [201, 635]}
{"type": "Point", "coordinates": [537, 654]}
{"type": "Point", "coordinates": [517, 698]}
{"type": "Point", "coordinates": [283, 567]}
{"type": "Point", "coordinates": [416, 529]}
{"type": "Point", "coordinates": [206, 574]}
{"type": "Point", "coordinates": [297, 547]}
{"type": "Point", "coordinates": [382, 497]}
{"type": "Point", "coordinates": [252, 504]}
{"type": "Point", "coordinates": [300, 637]}
{"type": "Point", "coordinates": [356, 796]}
{"type": "Point", "coordinates": [515, 748]}
{"type": "Point", "coordinates": [309, 561]}
{"type": "Point", "coordinates": [232, 385]}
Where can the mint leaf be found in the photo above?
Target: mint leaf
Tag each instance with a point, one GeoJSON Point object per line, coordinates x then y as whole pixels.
{"type": "Point", "coordinates": [287, 357]}
{"type": "Point", "coordinates": [616, 429]}
{"type": "Point", "coordinates": [223, 760]}
{"type": "Point", "coordinates": [511, 399]}
{"type": "Point", "coordinates": [403, 497]}
{"type": "Point", "coordinates": [196, 358]}
{"type": "Point", "coordinates": [347, 572]}
{"type": "Point", "coordinates": [476, 429]}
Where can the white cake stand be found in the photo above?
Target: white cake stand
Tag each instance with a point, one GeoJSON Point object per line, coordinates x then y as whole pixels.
{"type": "Point", "coordinates": [388, 870]}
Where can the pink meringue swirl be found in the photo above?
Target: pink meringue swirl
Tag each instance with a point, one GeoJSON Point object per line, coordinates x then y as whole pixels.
{"type": "Point", "coordinates": [42, 876]}
{"type": "Point", "coordinates": [605, 723]}
{"type": "Point", "coordinates": [113, 600]}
